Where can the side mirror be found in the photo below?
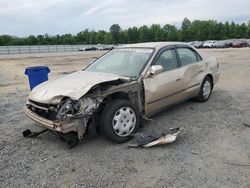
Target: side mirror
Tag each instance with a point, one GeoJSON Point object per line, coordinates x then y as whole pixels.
{"type": "Point", "coordinates": [155, 69]}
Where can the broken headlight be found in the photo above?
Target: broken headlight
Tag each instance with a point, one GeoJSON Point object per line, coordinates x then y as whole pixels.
{"type": "Point", "coordinates": [68, 108]}
{"type": "Point", "coordinates": [82, 107]}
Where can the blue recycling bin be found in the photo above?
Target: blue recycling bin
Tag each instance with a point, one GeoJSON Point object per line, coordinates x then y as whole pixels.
{"type": "Point", "coordinates": [37, 75]}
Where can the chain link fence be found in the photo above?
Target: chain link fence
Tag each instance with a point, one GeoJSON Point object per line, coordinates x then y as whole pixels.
{"type": "Point", "coordinates": [39, 49]}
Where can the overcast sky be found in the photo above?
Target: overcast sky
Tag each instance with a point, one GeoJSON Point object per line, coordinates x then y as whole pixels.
{"type": "Point", "coordinates": [26, 17]}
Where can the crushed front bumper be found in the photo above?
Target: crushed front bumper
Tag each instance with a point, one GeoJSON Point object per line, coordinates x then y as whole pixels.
{"type": "Point", "coordinates": [62, 126]}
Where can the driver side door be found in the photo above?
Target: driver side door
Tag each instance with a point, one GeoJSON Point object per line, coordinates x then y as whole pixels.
{"type": "Point", "coordinates": [164, 88]}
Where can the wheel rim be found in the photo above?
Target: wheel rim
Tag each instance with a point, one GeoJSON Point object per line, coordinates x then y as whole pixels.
{"type": "Point", "coordinates": [206, 89]}
{"type": "Point", "coordinates": [124, 121]}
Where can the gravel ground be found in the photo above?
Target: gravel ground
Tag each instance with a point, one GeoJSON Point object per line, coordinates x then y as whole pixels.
{"type": "Point", "coordinates": [214, 150]}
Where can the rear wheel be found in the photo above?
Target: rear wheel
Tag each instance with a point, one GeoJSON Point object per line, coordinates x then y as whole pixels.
{"type": "Point", "coordinates": [119, 119]}
{"type": "Point", "coordinates": [205, 90]}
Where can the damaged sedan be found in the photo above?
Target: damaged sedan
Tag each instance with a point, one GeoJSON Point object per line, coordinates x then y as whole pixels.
{"type": "Point", "coordinates": [117, 90]}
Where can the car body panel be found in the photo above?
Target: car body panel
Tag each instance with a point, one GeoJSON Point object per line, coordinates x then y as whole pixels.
{"type": "Point", "coordinates": [183, 82]}
{"type": "Point", "coordinates": [162, 89]}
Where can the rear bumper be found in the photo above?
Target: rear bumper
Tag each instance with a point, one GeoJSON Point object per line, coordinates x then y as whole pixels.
{"type": "Point", "coordinates": [59, 126]}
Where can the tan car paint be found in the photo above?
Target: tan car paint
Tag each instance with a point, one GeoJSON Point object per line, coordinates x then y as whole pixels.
{"type": "Point", "coordinates": [162, 89]}
{"type": "Point", "coordinates": [169, 87]}
{"type": "Point", "coordinates": [176, 85]}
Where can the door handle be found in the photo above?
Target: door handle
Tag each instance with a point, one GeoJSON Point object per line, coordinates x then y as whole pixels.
{"type": "Point", "coordinates": [201, 70]}
{"type": "Point", "coordinates": [178, 78]}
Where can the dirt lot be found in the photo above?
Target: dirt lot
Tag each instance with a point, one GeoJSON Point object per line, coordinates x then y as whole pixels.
{"type": "Point", "coordinates": [214, 151]}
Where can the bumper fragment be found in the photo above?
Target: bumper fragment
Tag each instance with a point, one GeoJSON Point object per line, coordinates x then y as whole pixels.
{"type": "Point", "coordinates": [59, 126]}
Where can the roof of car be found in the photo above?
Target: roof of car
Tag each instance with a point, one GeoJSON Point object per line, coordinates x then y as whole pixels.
{"type": "Point", "coordinates": [152, 44]}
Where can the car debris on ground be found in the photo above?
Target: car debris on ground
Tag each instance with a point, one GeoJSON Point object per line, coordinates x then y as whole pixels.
{"type": "Point", "coordinates": [28, 133]}
{"type": "Point", "coordinates": [70, 138]}
{"type": "Point", "coordinates": [147, 140]}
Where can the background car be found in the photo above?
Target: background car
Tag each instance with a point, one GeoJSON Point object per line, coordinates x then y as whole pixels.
{"type": "Point", "coordinates": [191, 42]}
{"type": "Point", "coordinates": [208, 44]}
{"type": "Point", "coordinates": [108, 47]}
{"type": "Point", "coordinates": [221, 44]}
{"type": "Point", "coordinates": [91, 48]}
{"type": "Point", "coordinates": [198, 44]}
{"type": "Point", "coordinates": [248, 41]}
{"type": "Point", "coordinates": [239, 44]}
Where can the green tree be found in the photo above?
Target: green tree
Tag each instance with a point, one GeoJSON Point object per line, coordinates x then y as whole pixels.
{"type": "Point", "coordinates": [170, 32]}
{"type": "Point", "coordinates": [226, 30]}
{"type": "Point", "coordinates": [133, 35]}
{"type": "Point", "coordinates": [5, 39]}
{"type": "Point", "coordinates": [248, 30]}
{"type": "Point", "coordinates": [185, 33]}
{"type": "Point", "coordinates": [189, 31]}
{"type": "Point", "coordinates": [115, 31]}
{"type": "Point", "coordinates": [155, 33]}
{"type": "Point", "coordinates": [144, 34]}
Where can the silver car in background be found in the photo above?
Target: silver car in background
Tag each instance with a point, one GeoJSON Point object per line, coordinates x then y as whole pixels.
{"type": "Point", "coordinates": [209, 44]}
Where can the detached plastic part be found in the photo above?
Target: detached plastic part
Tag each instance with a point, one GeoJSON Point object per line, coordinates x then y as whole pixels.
{"type": "Point", "coordinates": [29, 134]}
{"type": "Point", "coordinates": [146, 140]}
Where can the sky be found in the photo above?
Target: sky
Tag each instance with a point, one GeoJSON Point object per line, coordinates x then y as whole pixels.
{"type": "Point", "coordinates": [33, 17]}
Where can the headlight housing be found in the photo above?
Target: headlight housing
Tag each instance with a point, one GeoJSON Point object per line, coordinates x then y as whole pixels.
{"type": "Point", "coordinates": [77, 108]}
{"type": "Point", "coordinates": [68, 108]}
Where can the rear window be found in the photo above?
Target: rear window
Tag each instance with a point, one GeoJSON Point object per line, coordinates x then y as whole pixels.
{"type": "Point", "coordinates": [188, 56]}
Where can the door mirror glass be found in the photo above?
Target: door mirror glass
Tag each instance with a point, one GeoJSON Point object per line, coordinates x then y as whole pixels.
{"type": "Point", "coordinates": [155, 69]}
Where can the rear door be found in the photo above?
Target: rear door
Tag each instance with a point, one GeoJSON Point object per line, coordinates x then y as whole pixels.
{"type": "Point", "coordinates": [164, 88]}
{"type": "Point", "coordinates": [193, 68]}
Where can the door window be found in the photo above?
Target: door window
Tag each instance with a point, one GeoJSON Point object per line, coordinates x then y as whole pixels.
{"type": "Point", "coordinates": [167, 60]}
{"type": "Point", "coordinates": [187, 56]}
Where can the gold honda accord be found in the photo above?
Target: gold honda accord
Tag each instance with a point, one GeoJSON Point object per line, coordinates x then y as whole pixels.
{"type": "Point", "coordinates": [117, 90]}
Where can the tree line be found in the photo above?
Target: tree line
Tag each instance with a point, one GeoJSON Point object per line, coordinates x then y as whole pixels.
{"type": "Point", "coordinates": [189, 31]}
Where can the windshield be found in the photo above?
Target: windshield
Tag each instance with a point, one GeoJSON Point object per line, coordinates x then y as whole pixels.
{"type": "Point", "coordinates": [127, 62]}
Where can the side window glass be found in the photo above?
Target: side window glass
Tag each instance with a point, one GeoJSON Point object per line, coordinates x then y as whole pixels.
{"type": "Point", "coordinates": [167, 60]}
{"type": "Point", "coordinates": [187, 56]}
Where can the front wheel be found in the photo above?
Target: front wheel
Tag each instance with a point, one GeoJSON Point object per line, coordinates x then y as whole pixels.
{"type": "Point", "coordinates": [119, 119]}
{"type": "Point", "coordinates": [205, 90]}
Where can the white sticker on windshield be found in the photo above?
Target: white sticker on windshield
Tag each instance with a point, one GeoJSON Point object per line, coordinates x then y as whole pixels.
{"type": "Point", "coordinates": [144, 50]}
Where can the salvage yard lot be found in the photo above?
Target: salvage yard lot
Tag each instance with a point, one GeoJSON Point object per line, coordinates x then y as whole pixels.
{"type": "Point", "coordinates": [214, 150]}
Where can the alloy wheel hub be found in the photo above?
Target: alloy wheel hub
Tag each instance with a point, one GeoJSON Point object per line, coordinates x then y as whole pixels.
{"type": "Point", "coordinates": [124, 121]}
{"type": "Point", "coordinates": [206, 89]}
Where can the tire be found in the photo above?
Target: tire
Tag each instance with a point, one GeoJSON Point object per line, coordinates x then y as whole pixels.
{"type": "Point", "coordinates": [205, 90]}
{"type": "Point", "coordinates": [119, 119]}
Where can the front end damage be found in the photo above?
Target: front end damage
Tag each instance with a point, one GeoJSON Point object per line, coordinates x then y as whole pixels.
{"type": "Point", "coordinates": [74, 115]}
{"type": "Point", "coordinates": [68, 116]}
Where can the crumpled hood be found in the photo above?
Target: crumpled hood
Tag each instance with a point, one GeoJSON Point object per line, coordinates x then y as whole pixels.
{"type": "Point", "coordinates": [74, 85]}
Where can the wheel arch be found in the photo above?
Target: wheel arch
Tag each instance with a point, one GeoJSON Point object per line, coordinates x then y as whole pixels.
{"type": "Point", "coordinates": [117, 95]}
{"type": "Point", "coordinates": [113, 96]}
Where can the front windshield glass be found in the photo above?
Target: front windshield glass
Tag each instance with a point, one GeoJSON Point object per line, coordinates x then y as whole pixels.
{"type": "Point", "coordinates": [127, 62]}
